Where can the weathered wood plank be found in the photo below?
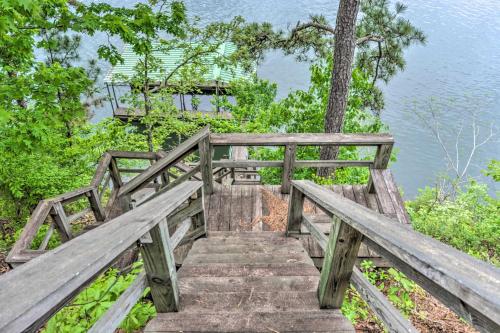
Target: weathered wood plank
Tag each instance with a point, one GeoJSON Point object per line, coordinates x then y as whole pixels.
{"type": "Point", "coordinates": [36, 219]}
{"type": "Point", "coordinates": [205, 151]}
{"type": "Point", "coordinates": [340, 256]}
{"type": "Point", "coordinates": [61, 221]}
{"type": "Point", "coordinates": [468, 286]}
{"type": "Point", "coordinates": [295, 208]}
{"type": "Point", "coordinates": [102, 167]}
{"type": "Point", "coordinates": [298, 164]}
{"type": "Point", "coordinates": [236, 208]}
{"type": "Point", "coordinates": [213, 212]}
{"type": "Point", "coordinates": [383, 156]}
{"type": "Point", "coordinates": [115, 175]}
{"type": "Point", "coordinates": [246, 206]}
{"type": "Point", "coordinates": [200, 285]}
{"type": "Point", "coordinates": [160, 268]}
{"type": "Point", "coordinates": [95, 204]}
{"type": "Point", "coordinates": [395, 196]}
{"type": "Point", "coordinates": [71, 196]}
{"type": "Point", "coordinates": [113, 317]}
{"type": "Point", "coordinates": [257, 208]}
{"type": "Point", "coordinates": [139, 155]}
{"type": "Point", "coordinates": [225, 210]}
{"type": "Point", "coordinates": [246, 163]}
{"type": "Point", "coordinates": [321, 321]}
{"type": "Point", "coordinates": [72, 265]}
{"type": "Point", "coordinates": [382, 193]}
{"type": "Point", "coordinates": [288, 167]}
{"type": "Point", "coordinates": [332, 163]}
{"type": "Point", "coordinates": [305, 139]}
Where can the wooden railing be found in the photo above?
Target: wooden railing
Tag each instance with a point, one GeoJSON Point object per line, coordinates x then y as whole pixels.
{"type": "Point", "coordinates": [383, 143]}
{"type": "Point", "coordinates": [109, 177]}
{"type": "Point", "coordinates": [468, 286]}
{"type": "Point", "coordinates": [33, 292]}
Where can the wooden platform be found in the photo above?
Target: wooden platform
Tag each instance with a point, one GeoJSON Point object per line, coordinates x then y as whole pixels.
{"type": "Point", "coordinates": [126, 114]}
{"type": "Point", "coordinates": [242, 207]}
{"type": "Point", "coordinates": [249, 282]}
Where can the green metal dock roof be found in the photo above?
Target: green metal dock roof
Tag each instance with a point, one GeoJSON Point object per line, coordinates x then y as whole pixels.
{"type": "Point", "coordinates": [171, 59]}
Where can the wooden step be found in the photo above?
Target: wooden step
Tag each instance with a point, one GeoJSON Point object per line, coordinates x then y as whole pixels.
{"type": "Point", "coordinates": [246, 284]}
{"type": "Point", "coordinates": [250, 301]}
{"type": "Point", "coordinates": [231, 269]}
{"type": "Point", "coordinates": [249, 282]}
{"type": "Point", "coordinates": [269, 322]}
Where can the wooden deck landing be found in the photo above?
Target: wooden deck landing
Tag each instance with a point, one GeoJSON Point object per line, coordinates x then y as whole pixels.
{"type": "Point", "coordinates": [241, 208]}
{"type": "Point", "coordinates": [249, 282]}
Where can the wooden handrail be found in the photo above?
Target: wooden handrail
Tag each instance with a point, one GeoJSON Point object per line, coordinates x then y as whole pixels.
{"type": "Point", "coordinates": [383, 142]}
{"type": "Point", "coordinates": [300, 139]}
{"type": "Point", "coordinates": [67, 269]}
{"type": "Point", "coordinates": [468, 286]}
{"type": "Point", "coordinates": [390, 316]}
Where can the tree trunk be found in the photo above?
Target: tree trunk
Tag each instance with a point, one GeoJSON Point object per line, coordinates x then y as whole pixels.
{"type": "Point", "coordinates": [345, 43]}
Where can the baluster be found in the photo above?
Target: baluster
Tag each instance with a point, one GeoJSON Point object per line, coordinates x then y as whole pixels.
{"type": "Point", "coordinates": [288, 166]}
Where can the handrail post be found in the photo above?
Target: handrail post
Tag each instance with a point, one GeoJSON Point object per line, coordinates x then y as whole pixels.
{"type": "Point", "coordinates": [95, 204]}
{"type": "Point", "coordinates": [205, 151]}
{"type": "Point", "coordinates": [61, 221]}
{"type": "Point", "coordinates": [340, 255]}
{"type": "Point", "coordinates": [115, 174]}
{"type": "Point", "coordinates": [160, 268]}
{"type": "Point", "coordinates": [381, 161]}
{"type": "Point", "coordinates": [295, 208]}
{"type": "Point", "coordinates": [288, 166]}
{"type": "Point", "coordinates": [199, 220]}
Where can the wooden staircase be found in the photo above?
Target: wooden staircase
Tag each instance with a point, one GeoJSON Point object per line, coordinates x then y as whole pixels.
{"type": "Point", "coordinates": [249, 282]}
{"type": "Point", "coordinates": [245, 281]}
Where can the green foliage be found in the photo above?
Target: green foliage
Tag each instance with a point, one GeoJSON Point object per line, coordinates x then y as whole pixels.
{"type": "Point", "coordinates": [91, 303]}
{"type": "Point", "coordinates": [469, 221]}
{"type": "Point", "coordinates": [493, 170]}
{"type": "Point", "coordinates": [383, 59]}
{"type": "Point", "coordinates": [382, 36]}
{"type": "Point", "coordinates": [257, 110]}
{"type": "Point", "coordinates": [395, 285]}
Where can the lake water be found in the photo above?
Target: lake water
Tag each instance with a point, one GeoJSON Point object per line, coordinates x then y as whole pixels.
{"type": "Point", "coordinates": [457, 72]}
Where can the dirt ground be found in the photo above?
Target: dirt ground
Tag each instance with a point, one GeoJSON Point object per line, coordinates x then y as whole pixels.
{"type": "Point", "coordinates": [4, 268]}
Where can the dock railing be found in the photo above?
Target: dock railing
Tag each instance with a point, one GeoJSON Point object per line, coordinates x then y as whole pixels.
{"type": "Point", "coordinates": [470, 287]}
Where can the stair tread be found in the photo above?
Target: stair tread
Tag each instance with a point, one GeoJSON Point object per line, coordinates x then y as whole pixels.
{"type": "Point", "coordinates": [250, 301]}
{"type": "Point", "coordinates": [262, 321]}
{"type": "Point", "coordinates": [246, 283]}
{"type": "Point", "coordinates": [247, 258]}
{"type": "Point", "coordinates": [253, 269]}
